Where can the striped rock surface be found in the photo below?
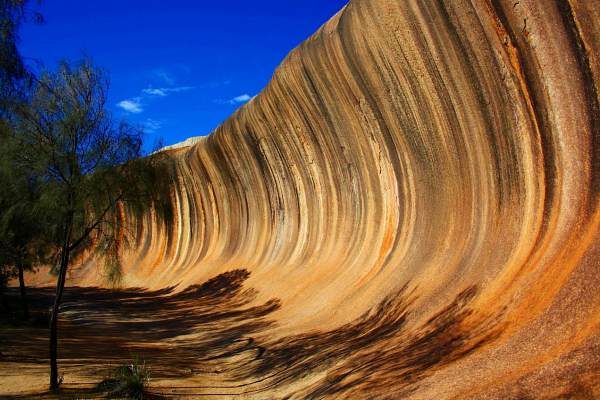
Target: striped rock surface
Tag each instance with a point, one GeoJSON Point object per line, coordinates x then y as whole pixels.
{"type": "Point", "coordinates": [418, 189]}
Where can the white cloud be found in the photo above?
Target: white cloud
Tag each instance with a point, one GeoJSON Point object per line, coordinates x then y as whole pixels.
{"type": "Point", "coordinates": [164, 76]}
{"type": "Point", "coordinates": [181, 89]}
{"type": "Point", "coordinates": [133, 105]}
{"type": "Point", "coordinates": [236, 100]}
{"type": "Point", "coordinates": [240, 99]}
{"type": "Point", "coordinates": [154, 92]}
{"type": "Point", "coordinates": [162, 92]}
{"type": "Point", "coordinates": [152, 125]}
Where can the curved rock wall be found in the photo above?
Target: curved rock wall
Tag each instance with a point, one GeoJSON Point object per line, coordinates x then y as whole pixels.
{"type": "Point", "coordinates": [435, 146]}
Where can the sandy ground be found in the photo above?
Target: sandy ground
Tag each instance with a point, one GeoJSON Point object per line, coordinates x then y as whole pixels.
{"type": "Point", "coordinates": [181, 337]}
{"type": "Point", "coordinates": [214, 341]}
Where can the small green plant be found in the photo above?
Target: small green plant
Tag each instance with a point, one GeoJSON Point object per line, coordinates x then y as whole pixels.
{"type": "Point", "coordinates": [129, 380]}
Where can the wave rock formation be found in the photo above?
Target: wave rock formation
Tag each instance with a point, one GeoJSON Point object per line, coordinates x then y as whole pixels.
{"type": "Point", "coordinates": [415, 195]}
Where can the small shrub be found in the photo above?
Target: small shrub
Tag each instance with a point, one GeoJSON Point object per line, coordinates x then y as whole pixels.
{"type": "Point", "coordinates": [127, 380]}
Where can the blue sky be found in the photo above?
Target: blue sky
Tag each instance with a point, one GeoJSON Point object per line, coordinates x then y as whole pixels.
{"type": "Point", "coordinates": [178, 67]}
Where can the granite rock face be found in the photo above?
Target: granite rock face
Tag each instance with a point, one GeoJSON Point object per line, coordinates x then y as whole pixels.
{"type": "Point", "coordinates": [419, 182]}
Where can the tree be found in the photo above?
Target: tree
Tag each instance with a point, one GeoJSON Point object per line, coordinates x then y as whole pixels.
{"type": "Point", "coordinates": [17, 191]}
{"type": "Point", "coordinates": [92, 170]}
{"type": "Point", "coordinates": [22, 243]}
{"type": "Point", "coordinates": [13, 73]}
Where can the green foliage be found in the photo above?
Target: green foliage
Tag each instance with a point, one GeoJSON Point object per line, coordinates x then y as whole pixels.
{"type": "Point", "coordinates": [129, 380]}
{"type": "Point", "coordinates": [69, 175]}
{"type": "Point", "coordinates": [22, 230]}
{"type": "Point", "coordinates": [91, 179]}
{"type": "Point", "coordinates": [17, 220]}
{"type": "Point", "coordinates": [13, 73]}
{"type": "Point", "coordinates": [91, 170]}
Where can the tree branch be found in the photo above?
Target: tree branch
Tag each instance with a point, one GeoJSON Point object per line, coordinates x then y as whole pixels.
{"type": "Point", "coordinates": [95, 224]}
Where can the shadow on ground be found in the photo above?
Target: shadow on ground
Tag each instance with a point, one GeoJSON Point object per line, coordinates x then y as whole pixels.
{"type": "Point", "coordinates": [212, 329]}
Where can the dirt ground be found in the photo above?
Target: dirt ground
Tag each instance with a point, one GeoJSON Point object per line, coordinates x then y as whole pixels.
{"type": "Point", "coordinates": [180, 336]}
{"type": "Point", "coordinates": [215, 341]}
{"type": "Point", "coordinates": [212, 341]}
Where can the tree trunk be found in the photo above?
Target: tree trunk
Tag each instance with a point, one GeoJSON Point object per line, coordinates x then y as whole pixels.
{"type": "Point", "coordinates": [24, 304]}
{"type": "Point", "coordinates": [60, 287]}
{"type": "Point", "coordinates": [5, 303]}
